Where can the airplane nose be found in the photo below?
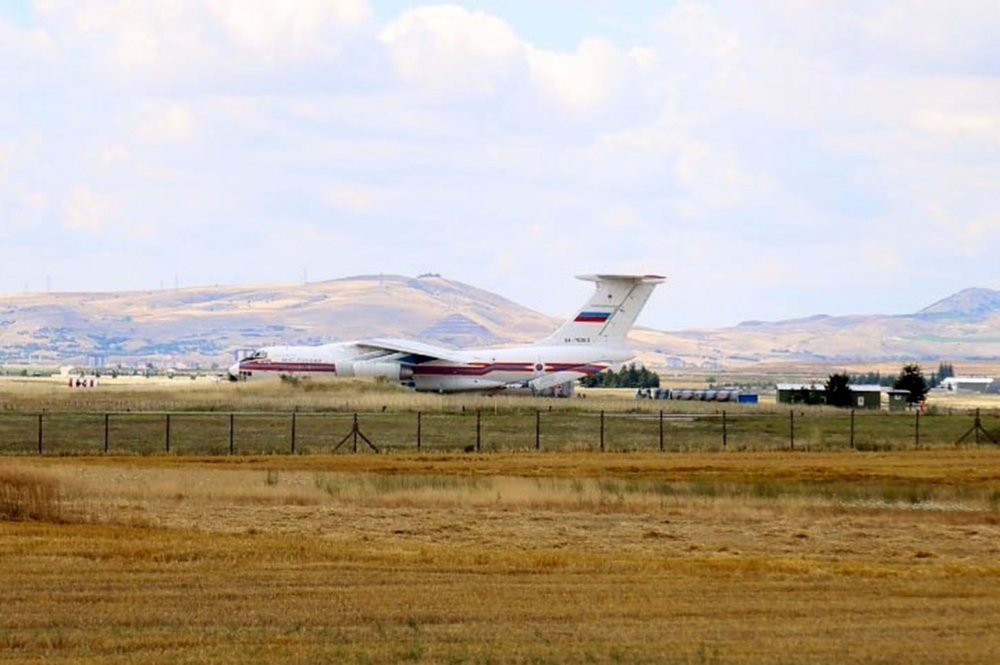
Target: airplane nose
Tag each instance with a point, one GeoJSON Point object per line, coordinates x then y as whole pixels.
{"type": "Point", "coordinates": [234, 372]}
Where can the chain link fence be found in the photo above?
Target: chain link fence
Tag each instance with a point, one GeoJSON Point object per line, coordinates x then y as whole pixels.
{"type": "Point", "coordinates": [243, 433]}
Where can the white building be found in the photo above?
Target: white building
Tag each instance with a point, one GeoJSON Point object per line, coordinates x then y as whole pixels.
{"type": "Point", "coordinates": [978, 384]}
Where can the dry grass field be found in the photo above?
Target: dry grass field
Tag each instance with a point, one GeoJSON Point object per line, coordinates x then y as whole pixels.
{"type": "Point", "coordinates": [748, 554]}
{"type": "Point", "coordinates": [504, 558]}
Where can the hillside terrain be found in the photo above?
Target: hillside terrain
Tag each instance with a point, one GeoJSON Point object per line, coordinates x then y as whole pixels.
{"type": "Point", "coordinates": [209, 325]}
{"type": "Point", "coordinates": [205, 325]}
{"type": "Point", "coordinates": [964, 326]}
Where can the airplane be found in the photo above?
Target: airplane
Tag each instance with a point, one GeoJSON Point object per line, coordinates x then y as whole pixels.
{"type": "Point", "coordinates": [593, 340]}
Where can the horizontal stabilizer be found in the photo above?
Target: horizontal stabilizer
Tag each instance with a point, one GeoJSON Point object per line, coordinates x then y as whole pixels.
{"type": "Point", "coordinates": [638, 279]}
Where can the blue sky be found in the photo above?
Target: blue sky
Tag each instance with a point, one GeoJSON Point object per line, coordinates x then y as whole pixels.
{"type": "Point", "coordinates": [556, 24]}
{"type": "Point", "coordinates": [774, 159]}
{"type": "Point", "coordinates": [18, 11]}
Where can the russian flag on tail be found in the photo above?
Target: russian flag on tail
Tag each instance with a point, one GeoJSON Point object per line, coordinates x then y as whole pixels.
{"type": "Point", "coordinates": [592, 317]}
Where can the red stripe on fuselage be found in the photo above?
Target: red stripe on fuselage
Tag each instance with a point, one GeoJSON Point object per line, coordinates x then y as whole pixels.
{"type": "Point", "coordinates": [288, 366]}
{"type": "Point", "coordinates": [479, 369]}
{"type": "Point", "coordinates": [484, 369]}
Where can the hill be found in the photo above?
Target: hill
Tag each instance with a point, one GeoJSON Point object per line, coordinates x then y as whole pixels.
{"type": "Point", "coordinates": [207, 325]}
{"type": "Point", "coordinates": [967, 305]}
{"type": "Point", "coordinates": [964, 326]}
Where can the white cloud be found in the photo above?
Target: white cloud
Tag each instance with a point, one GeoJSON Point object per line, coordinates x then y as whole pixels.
{"type": "Point", "coordinates": [975, 125]}
{"type": "Point", "coordinates": [115, 154]}
{"type": "Point", "coordinates": [35, 200]}
{"type": "Point", "coordinates": [26, 55]}
{"type": "Point", "coordinates": [644, 57]}
{"type": "Point", "coordinates": [171, 122]}
{"type": "Point", "coordinates": [591, 77]}
{"type": "Point", "coordinates": [26, 44]}
{"type": "Point", "coordinates": [189, 43]}
{"type": "Point", "coordinates": [5, 163]}
{"type": "Point", "coordinates": [21, 209]}
{"type": "Point", "coordinates": [901, 36]}
{"type": "Point", "coordinates": [357, 198]}
{"type": "Point", "coordinates": [715, 179]}
{"type": "Point", "coordinates": [955, 32]}
{"type": "Point", "coordinates": [23, 203]}
{"type": "Point", "coordinates": [446, 49]}
{"type": "Point", "coordinates": [695, 28]}
{"type": "Point", "coordinates": [621, 218]}
{"type": "Point", "coordinates": [88, 211]}
{"type": "Point", "coordinates": [278, 30]}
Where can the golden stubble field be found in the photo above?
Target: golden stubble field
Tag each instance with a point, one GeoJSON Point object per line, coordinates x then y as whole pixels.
{"type": "Point", "coordinates": [552, 557]}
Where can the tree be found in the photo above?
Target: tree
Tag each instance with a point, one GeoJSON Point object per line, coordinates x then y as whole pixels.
{"type": "Point", "coordinates": [629, 376]}
{"type": "Point", "coordinates": [838, 390]}
{"type": "Point", "coordinates": [807, 395]}
{"type": "Point", "coordinates": [912, 378]}
{"type": "Point", "coordinates": [944, 371]}
{"type": "Point", "coordinates": [873, 378]}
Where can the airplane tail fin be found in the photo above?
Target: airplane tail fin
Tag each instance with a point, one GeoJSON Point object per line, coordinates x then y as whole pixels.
{"type": "Point", "coordinates": [609, 313]}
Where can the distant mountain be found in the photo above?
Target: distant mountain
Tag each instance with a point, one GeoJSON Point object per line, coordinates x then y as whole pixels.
{"type": "Point", "coordinates": [205, 325]}
{"type": "Point", "coordinates": [209, 324]}
{"type": "Point", "coordinates": [968, 304]}
{"type": "Point", "coordinates": [964, 326]}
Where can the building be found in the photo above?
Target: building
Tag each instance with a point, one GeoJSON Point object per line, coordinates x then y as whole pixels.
{"type": "Point", "coordinates": [897, 399]}
{"type": "Point", "coordinates": [866, 396]}
{"type": "Point", "coordinates": [862, 396]}
{"type": "Point", "coordinates": [977, 384]}
{"type": "Point", "coordinates": [801, 393]}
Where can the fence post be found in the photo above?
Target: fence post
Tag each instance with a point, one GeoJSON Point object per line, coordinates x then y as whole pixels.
{"type": "Point", "coordinates": [107, 417]}
{"type": "Point", "coordinates": [538, 429]}
{"type": "Point", "coordinates": [791, 427]}
{"type": "Point", "coordinates": [977, 426]}
{"type": "Point", "coordinates": [167, 434]}
{"type": "Point", "coordinates": [852, 428]}
{"type": "Point", "coordinates": [418, 431]}
{"type": "Point", "coordinates": [294, 413]}
{"type": "Point", "coordinates": [724, 432]}
{"type": "Point", "coordinates": [232, 418]}
{"type": "Point", "coordinates": [602, 430]}
{"type": "Point", "coordinates": [478, 427]}
{"type": "Point", "coordinates": [39, 434]}
{"type": "Point", "coordinates": [661, 430]}
{"type": "Point", "coordinates": [354, 433]}
{"type": "Point", "coordinates": [916, 431]}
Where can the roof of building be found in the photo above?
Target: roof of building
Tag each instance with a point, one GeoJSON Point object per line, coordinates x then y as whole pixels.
{"type": "Point", "coordinates": [967, 379]}
{"type": "Point", "coordinates": [866, 388]}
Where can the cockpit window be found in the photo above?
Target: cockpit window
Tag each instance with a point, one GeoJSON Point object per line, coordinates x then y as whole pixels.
{"type": "Point", "coordinates": [257, 355]}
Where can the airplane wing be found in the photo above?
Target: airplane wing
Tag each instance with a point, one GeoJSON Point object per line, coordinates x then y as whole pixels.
{"type": "Point", "coordinates": [418, 351]}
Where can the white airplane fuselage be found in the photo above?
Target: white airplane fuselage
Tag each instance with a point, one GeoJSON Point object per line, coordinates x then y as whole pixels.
{"type": "Point", "coordinates": [478, 369]}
